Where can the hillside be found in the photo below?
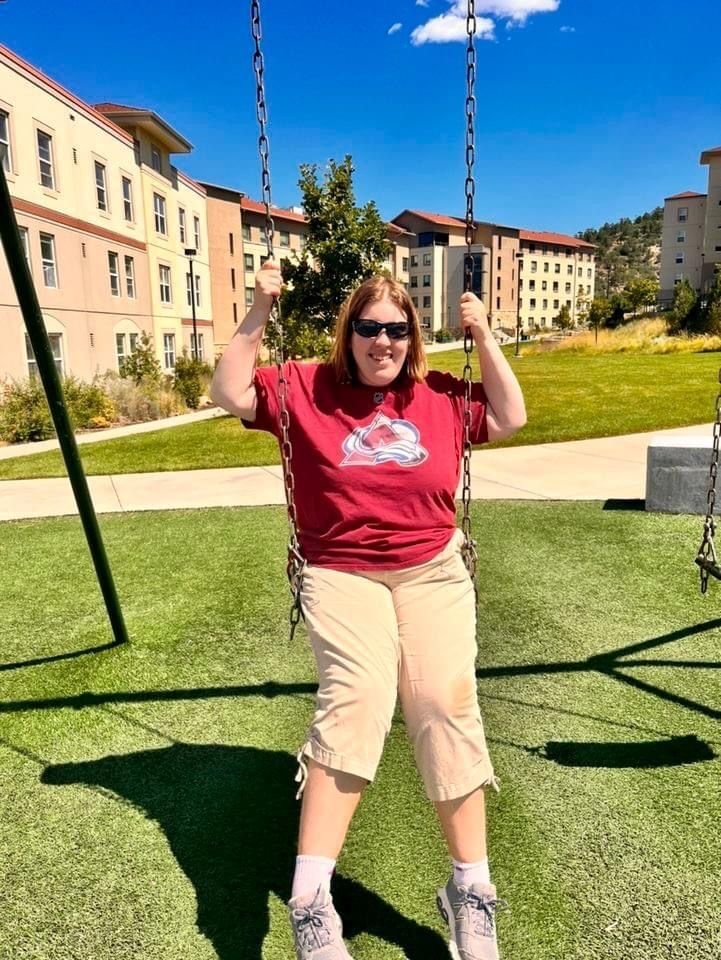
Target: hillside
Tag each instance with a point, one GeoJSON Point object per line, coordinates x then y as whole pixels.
{"type": "Point", "coordinates": [626, 249]}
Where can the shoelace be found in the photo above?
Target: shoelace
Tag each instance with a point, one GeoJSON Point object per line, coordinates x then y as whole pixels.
{"type": "Point", "coordinates": [312, 927]}
{"type": "Point", "coordinates": [481, 911]}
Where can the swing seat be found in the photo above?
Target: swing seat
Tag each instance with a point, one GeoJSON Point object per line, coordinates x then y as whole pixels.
{"type": "Point", "coordinates": [710, 566]}
{"type": "Point", "coordinates": [677, 471]}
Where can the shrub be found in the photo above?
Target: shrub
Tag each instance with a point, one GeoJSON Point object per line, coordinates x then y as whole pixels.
{"type": "Point", "coordinates": [191, 378]}
{"type": "Point", "coordinates": [142, 365]}
{"type": "Point", "coordinates": [444, 335]}
{"type": "Point", "coordinates": [87, 402]}
{"type": "Point", "coordinates": [24, 413]}
{"type": "Point", "coordinates": [136, 403]}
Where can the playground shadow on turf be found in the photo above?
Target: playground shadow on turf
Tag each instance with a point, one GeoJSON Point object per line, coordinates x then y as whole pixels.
{"type": "Point", "coordinates": [231, 819]}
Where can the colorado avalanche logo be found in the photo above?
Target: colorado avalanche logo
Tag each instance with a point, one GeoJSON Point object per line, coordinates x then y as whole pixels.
{"type": "Point", "coordinates": [383, 441]}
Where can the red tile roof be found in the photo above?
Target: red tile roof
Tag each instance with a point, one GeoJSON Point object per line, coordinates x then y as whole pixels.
{"type": "Point", "coordinates": [707, 154]}
{"type": "Point", "coordinates": [686, 195]}
{"type": "Point", "coordinates": [438, 218]}
{"type": "Point", "coordinates": [252, 206]}
{"type": "Point", "coordinates": [118, 107]}
{"type": "Point", "coordinates": [553, 239]}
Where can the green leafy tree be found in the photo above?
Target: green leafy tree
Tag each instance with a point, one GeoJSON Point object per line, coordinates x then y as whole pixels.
{"type": "Point", "coordinates": [345, 245]}
{"type": "Point", "coordinates": [563, 320]}
{"type": "Point", "coordinates": [599, 312]}
{"type": "Point", "coordinates": [190, 379]}
{"type": "Point", "coordinates": [684, 302]}
{"type": "Point", "coordinates": [142, 365]}
{"type": "Point", "coordinates": [711, 319]}
{"type": "Point", "coordinates": [641, 292]}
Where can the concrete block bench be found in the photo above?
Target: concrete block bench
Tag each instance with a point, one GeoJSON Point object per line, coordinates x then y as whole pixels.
{"type": "Point", "coordinates": [677, 474]}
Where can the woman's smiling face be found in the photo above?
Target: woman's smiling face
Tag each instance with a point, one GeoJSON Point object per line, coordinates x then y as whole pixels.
{"type": "Point", "coordinates": [379, 360]}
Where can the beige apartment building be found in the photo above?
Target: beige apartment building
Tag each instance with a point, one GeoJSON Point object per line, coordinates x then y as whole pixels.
{"type": "Point", "coordinates": [682, 241]}
{"type": "Point", "coordinates": [691, 241]}
{"type": "Point", "coordinates": [77, 194]}
{"type": "Point", "coordinates": [105, 220]}
{"type": "Point", "coordinates": [521, 275]}
{"type": "Point", "coordinates": [176, 233]}
{"type": "Point", "coordinates": [555, 271]}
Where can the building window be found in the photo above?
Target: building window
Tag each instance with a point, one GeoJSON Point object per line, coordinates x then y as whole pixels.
{"type": "Point", "coordinates": [181, 224]}
{"type": "Point", "coordinates": [531, 284]}
{"type": "Point", "coordinates": [556, 304]}
{"type": "Point", "coordinates": [679, 277]}
{"type": "Point", "coordinates": [555, 286]}
{"type": "Point", "coordinates": [545, 304]}
{"type": "Point", "coordinates": [426, 323]}
{"type": "Point", "coordinates": [232, 278]}
{"type": "Point", "coordinates": [498, 303]}
{"type": "Point", "coordinates": [246, 231]}
{"type": "Point", "coordinates": [114, 273]}
{"type": "Point", "coordinates": [405, 264]}
{"type": "Point", "coordinates": [5, 155]}
{"type": "Point", "coordinates": [264, 259]}
{"type": "Point", "coordinates": [101, 192]}
{"type": "Point", "coordinates": [534, 266]}
{"type": "Point", "coordinates": [47, 255]}
{"type": "Point", "coordinates": [188, 290]}
{"type": "Point", "coordinates": [169, 350]}
{"type": "Point", "coordinates": [557, 268]}
{"type": "Point", "coordinates": [45, 156]}
{"type": "Point", "coordinates": [120, 345]}
{"type": "Point", "coordinates": [414, 260]}
{"type": "Point", "coordinates": [161, 225]}
{"type": "Point", "coordinates": [284, 238]}
{"type": "Point", "coordinates": [544, 285]}
{"type": "Point", "coordinates": [533, 303]}
{"type": "Point", "coordinates": [128, 199]}
{"type": "Point", "coordinates": [155, 158]}
{"type": "Point", "coordinates": [130, 277]}
{"type": "Point", "coordinates": [426, 279]}
{"type": "Point", "coordinates": [546, 267]}
{"type": "Point", "coordinates": [249, 295]}
{"type": "Point", "coordinates": [568, 288]}
{"type": "Point", "coordinates": [680, 257]}
{"type": "Point", "coordinates": [197, 290]}
{"type": "Point", "coordinates": [588, 273]}
{"type": "Point", "coordinates": [166, 294]}
{"type": "Point", "coordinates": [499, 261]}
{"type": "Point", "coordinates": [415, 301]}
{"type": "Point", "coordinates": [199, 353]}
{"type": "Point", "coordinates": [426, 260]}
{"type": "Point", "coordinates": [56, 345]}
{"type": "Point", "coordinates": [235, 313]}
{"type": "Point", "coordinates": [249, 261]}
{"type": "Point", "coordinates": [682, 214]}
{"type": "Point", "coordinates": [414, 281]}
{"type": "Point", "coordinates": [196, 231]}
{"type": "Point", "coordinates": [568, 304]}
{"type": "Point", "coordinates": [25, 240]}
{"type": "Point", "coordinates": [569, 269]}
{"type": "Point", "coordinates": [426, 302]}
{"type": "Point", "coordinates": [681, 236]}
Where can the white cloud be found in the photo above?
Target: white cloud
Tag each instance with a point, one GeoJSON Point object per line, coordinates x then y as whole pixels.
{"type": "Point", "coordinates": [568, 29]}
{"type": "Point", "coordinates": [422, 3]}
{"type": "Point", "coordinates": [395, 28]}
{"type": "Point", "coordinates": [451, 26]}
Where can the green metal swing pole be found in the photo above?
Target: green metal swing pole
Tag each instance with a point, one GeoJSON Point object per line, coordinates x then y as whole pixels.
{"type": "Point", "coordinates": [35, 326]}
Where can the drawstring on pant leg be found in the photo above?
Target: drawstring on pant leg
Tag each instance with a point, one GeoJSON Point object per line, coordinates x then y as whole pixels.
{"type": "Point", "coordinates": [302, 774]}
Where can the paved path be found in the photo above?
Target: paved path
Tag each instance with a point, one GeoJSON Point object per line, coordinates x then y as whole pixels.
{"type": "Point", "coordinates": [609, 468]}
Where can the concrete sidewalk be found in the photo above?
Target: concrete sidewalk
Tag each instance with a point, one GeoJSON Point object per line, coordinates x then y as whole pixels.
{"type": "Point", "coordinates": [609, 468]}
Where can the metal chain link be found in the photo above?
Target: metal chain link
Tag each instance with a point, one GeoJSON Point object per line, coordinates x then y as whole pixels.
{"type": "Point", "coordinates": [296, 562]}
{"type": "Point", "coordinates": [706, 557]}
{"type": "Point", "coordinates": [469, 546]}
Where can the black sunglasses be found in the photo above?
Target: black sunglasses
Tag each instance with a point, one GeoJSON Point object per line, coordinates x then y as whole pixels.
{"type": "Point", "coordinates": [372, 329]}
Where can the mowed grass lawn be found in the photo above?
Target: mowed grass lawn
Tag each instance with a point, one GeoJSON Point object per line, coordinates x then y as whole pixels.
{"type": "Point", "coordinates": [568, 397]}
{"type": "Point", "coordinates": [147, 803]}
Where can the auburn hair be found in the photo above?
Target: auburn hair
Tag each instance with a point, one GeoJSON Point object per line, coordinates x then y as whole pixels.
{"type": "Point", "coordinates": [371, 290]}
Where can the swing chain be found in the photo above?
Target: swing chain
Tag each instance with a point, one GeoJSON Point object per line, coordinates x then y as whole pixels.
{"type": "Point", "coordinates": [468, 549]}
{"type": "Point", "coordinates": [296, 563]}
{"type": "Point", "coordinates": [706, 557]}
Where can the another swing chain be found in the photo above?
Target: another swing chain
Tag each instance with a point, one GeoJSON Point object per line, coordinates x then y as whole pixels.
{"type": "Point", "coordinates": [296, 563]}
{"type": "Point", "coordinates": [707, 552]}
{"type": "Point", "coordinates": [469, 546]}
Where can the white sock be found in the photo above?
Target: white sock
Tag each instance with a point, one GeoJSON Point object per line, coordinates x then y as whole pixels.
{"type": "Point", "coordinates": [466, 874]}
{"type": "Point", "coordinates": [311, 873]}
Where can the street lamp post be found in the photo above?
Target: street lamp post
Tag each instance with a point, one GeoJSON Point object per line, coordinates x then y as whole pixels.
{"type": "Point", "coordinates": [519, 267]}
{"type": "Point", "coordinates": [190, 253]}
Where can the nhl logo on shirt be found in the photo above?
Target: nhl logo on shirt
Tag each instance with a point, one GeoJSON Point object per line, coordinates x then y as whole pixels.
{"type": "Point", "coordinates": [383, 441]}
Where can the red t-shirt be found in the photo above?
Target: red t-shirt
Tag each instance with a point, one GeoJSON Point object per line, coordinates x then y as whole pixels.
{"type": "Point", "coordinates": [376, 470]}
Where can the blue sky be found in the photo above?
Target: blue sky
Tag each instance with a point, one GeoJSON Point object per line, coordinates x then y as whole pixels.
{"type": "Point", "coordinates": [588, 110]}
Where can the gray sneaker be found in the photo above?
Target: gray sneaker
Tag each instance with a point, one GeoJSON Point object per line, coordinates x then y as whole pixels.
{"type": "Point", "coordinates": [317, 929]}
{"type": "Point", "coordinates": [470, 913]}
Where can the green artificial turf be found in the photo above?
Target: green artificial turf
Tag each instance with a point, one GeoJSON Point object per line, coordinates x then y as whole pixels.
{"type": "Point", "coordinates": [568, 397]}
{"type": "Point", "coordinates": [147, 803]}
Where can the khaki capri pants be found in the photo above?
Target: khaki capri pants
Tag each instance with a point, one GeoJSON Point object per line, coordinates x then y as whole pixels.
{"type": "Point", "coordinates": [409, 633]}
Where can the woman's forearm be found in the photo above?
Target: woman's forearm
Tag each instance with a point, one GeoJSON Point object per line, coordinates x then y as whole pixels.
{"type": "Point", "coordinates": [499, 381]}
{"type": "Point", "coordinates": [234, 374]}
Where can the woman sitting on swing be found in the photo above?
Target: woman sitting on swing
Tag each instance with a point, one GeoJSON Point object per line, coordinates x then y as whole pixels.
{"type": "Point", "coordinates": [388, 603]}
